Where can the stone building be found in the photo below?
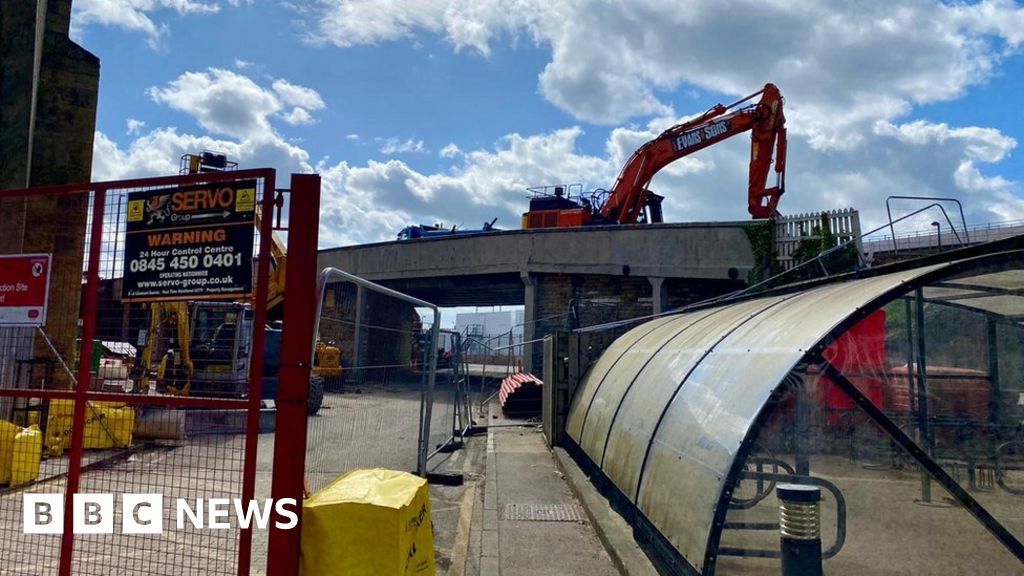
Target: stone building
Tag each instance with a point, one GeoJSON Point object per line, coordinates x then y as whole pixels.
{"type": "Point", "coordinates": [48, 94]}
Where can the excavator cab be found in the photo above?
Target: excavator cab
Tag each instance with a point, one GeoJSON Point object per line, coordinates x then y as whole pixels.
{"type": "Point", "coordinates": [222, 333]}
{"type": "Point", "coordinates": [562, 206]}
{"type": "Point", "coordinates": [558, 206]}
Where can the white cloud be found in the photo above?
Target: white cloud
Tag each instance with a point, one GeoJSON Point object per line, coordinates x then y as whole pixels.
{"type": "Point", "coordinates": [135, 126]}
{"type": "Point", "coordinates": [232, 104]}
{"type": "Point", "coordinates": [450, 151]}
{"type": "Point", "coordinates": [1007, 206]}
{"type": "Point", "coordinates": [842, 65]}
{"type": "Point", "coordinates": [395, 146]}
{"type": "Point", "coordinates": [984, 144]}
{"type": "Point", "coordinates": [353, 137]}
{"type": "Point", "coordinates": [352, 23]}
{"type": "Point", "coordinates": [298, 117]}
{"type": "Point", "coordinates": [243, 64]}
{"type": "Point", "coordinates": [136, 15]}
{"type": "Point", "coordinates": [225, 104]}
{"type": "Point", "coordinates": [371, 202]}
{"type": "Point", "coordinates": [967, 177]}
{"type": "Point", "coordinates": [158, 153]}
{"type": "Point", "coordinates": [294, 95]}
{"type": "Point", "coordinates": [222, 101]}
{"type": "Point", "coordinates": [850, 72]}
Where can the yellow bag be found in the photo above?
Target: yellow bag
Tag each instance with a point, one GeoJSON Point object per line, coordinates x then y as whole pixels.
{"type": "Point", "coordinates": [7, 433]}
{"type": "Point", "coordinates": [372, 522]}
{"type": "Point", "coordinates": [28, 451]}
{"type": "Point", "coordinates": [107, 425]}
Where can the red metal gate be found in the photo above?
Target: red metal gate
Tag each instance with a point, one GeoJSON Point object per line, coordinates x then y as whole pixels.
{"type": "Point", "coordinates": [72, 378]}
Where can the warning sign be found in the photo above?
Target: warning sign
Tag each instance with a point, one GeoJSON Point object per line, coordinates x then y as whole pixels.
{"type": "Point", "coordinates": [190, 242]}
{"type": "Point", "coordinates": [24, 289]}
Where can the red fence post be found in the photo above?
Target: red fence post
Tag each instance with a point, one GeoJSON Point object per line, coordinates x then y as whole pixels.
{"type": "Point", "coordinates": [252, 421]}
{"type": "Point", "coordinates": [296, 353]}
{"type": "Point", "coordinates": [92, 286]}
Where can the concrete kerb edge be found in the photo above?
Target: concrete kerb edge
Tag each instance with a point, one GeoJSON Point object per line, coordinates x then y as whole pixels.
{"type": "Point", "coordinates": [617, 540]}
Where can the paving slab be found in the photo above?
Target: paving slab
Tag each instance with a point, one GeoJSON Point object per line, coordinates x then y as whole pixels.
{"type": "Point", "coordinates": [527, 522]}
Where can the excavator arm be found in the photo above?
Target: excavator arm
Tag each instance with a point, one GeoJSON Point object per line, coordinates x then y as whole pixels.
{"type": "Point", "coordinates": [278, 262]}
{"type": "Point", "coordinates": [765, 120]}
{"type": "Point", "coordinates": [168, 320]}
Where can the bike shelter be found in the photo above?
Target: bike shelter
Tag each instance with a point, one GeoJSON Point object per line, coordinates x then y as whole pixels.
{"type": "Point", "coordinates": [898, 392]}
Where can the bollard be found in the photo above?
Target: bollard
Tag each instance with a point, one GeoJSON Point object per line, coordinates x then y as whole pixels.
{"type": "Point", "coordinates": [800, 528]}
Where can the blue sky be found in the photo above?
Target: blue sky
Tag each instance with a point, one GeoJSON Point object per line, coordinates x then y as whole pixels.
{"type": "Point", "coordinates": [446, 110]}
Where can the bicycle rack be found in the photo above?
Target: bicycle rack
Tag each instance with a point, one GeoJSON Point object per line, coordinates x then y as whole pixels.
{"type": "Point", "coordinates": [791, 479]}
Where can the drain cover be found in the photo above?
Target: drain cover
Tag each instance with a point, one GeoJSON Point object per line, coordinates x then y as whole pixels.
{"type": "Point", "coordinates": [545, 512]}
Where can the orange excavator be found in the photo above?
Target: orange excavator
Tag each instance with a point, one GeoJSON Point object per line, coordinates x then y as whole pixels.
{"type": "Point", "coordinates": [630, 201]}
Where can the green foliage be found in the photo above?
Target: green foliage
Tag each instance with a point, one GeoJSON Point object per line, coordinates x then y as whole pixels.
{"type": "Point", "coordinates": [814, 246]}
{"type": "Point", "coordinates": [762, 243]}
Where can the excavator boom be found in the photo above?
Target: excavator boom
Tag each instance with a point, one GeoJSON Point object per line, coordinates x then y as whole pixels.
{"type": "Point", "coordinates": [765, 119]}
{"type": "Point", "coordinates": [630, 199]}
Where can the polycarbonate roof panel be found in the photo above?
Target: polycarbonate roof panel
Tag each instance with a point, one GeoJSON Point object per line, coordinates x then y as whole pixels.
{"type": "Point", "coordinates": [642, 406]}
{"type": "Point", "coordinates": [581, 400]}
{"type": "Point", "coordinates": [716, 406]}
{"type": "Point", "coordinates": [617, 380]}
{"type": "Point", "coordinates": [724, 371]}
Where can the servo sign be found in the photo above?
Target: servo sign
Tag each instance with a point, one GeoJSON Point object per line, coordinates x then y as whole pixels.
{"type": "Point", "coordinates": [190, 242]}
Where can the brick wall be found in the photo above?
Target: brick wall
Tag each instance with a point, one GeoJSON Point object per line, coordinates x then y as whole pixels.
{"type": "Point", "coordinates": [566, 302]}
{"type": "Point", "coordinates": [386, 326]}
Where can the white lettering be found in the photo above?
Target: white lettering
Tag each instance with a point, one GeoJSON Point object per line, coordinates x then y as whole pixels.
{"type": "Point", "coordinates": [93, 514]}
{"type": "Point", "coordinates": [262, 515]}
{"type": "Point", "coordinates": [293, 517]}
{"type": "Point", "coordinates": [218, 508]}
{"type": "Point", "coordinates": [194, 516]}
{"type": "Point", "coordinates": [142, 514]}
{"type": "Point", "coordinates": [43, 513]}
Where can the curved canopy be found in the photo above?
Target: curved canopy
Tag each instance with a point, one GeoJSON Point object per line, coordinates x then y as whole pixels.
{"type": "Point", "coordinates": [667, 409]}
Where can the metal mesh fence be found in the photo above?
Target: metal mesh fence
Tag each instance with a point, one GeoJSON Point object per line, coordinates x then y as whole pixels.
{"type": "Point", "coordinates": [206, 464]}
{"type": "Point", "coordinates": [374, 412]}
{"type": "Point", "coordinates": [451, 417]}
{"type": "Point", "coordinates": [164, 399]}
{"type": "Point", "coordinates": [22, 554]}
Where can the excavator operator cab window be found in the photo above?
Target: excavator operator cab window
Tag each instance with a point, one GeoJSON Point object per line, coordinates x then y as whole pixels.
{"type": "Point", "coordinates": [224, 332]}
{"type": "Point", "coordinates": [206, 322]}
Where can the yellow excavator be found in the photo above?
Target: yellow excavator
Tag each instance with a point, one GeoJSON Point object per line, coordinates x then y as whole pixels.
{"type": "Point", "coordinates": [203, 348]}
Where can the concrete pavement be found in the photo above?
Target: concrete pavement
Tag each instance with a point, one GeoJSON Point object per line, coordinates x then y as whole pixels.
{"type": "Point", "coordinates": [525, 520]}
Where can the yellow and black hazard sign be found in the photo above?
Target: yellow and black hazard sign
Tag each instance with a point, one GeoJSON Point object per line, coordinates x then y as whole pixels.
{"type": "Point", "coordinates": [245, 200]}
{"type": "Point", "coordinates": [136, 208]}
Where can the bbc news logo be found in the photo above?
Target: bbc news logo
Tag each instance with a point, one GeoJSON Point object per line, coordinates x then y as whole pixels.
{"type": "Point", "coordinates": [144, 513]}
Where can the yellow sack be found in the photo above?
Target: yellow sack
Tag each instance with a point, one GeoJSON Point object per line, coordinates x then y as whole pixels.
{"type": "Point", "coordinates": [107, 425]}
{"type": "Point", "coordinates": [372, 522]}
{"type": "Point", "coordinates": [28, 451]}
{"type": "Point", "coordinates": [7, 433]}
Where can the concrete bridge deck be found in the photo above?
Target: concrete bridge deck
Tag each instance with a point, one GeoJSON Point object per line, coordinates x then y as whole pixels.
{"type": "Point", "coordinates": [601, 273]}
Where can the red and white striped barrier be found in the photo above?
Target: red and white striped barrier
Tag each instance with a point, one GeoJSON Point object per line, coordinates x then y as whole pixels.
{"type": "Point", "coordinates": [520, 394]}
